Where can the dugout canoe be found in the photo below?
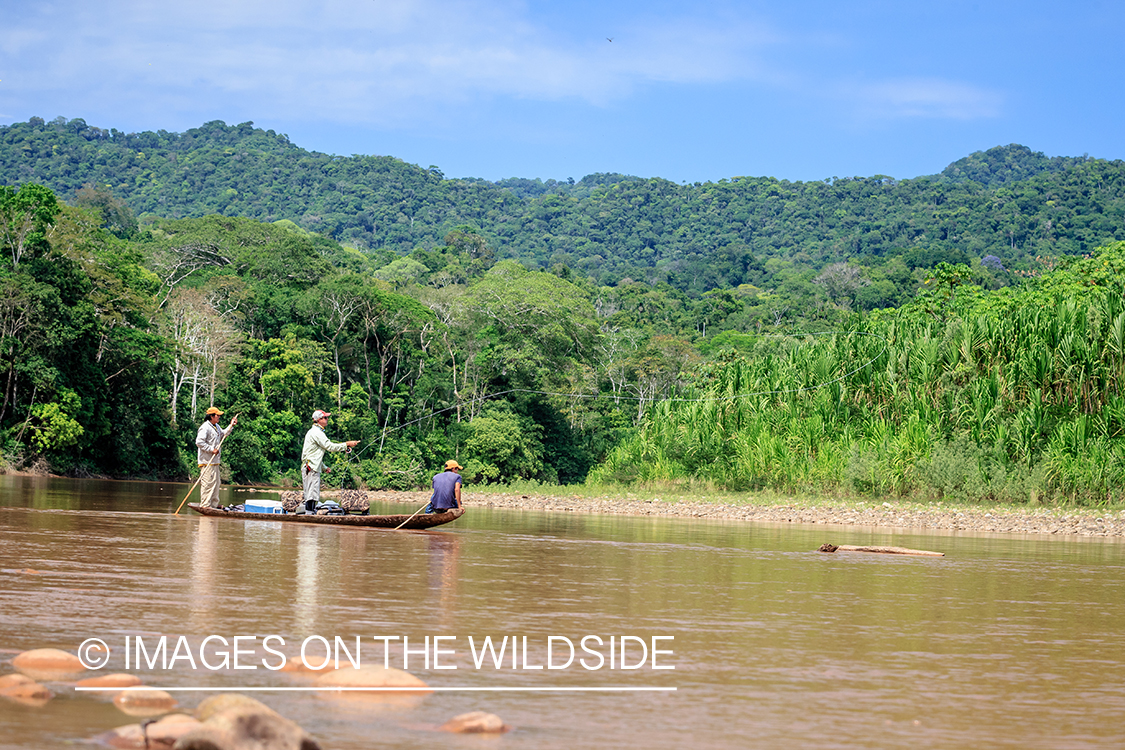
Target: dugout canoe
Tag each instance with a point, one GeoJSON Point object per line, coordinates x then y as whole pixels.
{"type": "Point", "coordinates": [420, 521]}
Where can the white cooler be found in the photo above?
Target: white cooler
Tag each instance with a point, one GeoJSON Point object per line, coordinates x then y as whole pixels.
{"type": "Point", "coordinates": [263, 506]}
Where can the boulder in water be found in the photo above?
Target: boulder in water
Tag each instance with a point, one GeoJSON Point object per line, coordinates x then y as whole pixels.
{"type": "Point", "coordinates": [295, 664]}
{"type": "Point", "coordinates": [9, 680]}
{"type": "Point", "coordinates": [155, 735]}
{"type": "Point", "coordinates": [28, 693]}
{"type": "Point", "coordinates": [110, 681]}
{"type": "Point", "coordinates": [476, 722]}
{"type": "Point", "coordinates": [217, 704]}
{"type": "Point", "coordinates": [399, 689]}
{"type": "Point", "coordinates": [150, 702]}
{"type": "Point", "coordinates": [373, 677]}
{"type": "Point", "coordinates": [235, 722]}
{"type": "Point", "coordinates": [47, 663]}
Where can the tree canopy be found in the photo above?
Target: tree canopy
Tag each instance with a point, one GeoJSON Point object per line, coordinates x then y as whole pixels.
{"type": "Point", "coordinates": [1007, 202]}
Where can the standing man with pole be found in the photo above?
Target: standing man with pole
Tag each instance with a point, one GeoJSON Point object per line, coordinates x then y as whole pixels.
{"type": "Point", "coordinates": [209, 441]}
{"type": "Point", "coordinates": [312, 457]}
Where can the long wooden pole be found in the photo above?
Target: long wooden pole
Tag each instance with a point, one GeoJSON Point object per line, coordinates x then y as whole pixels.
{"type": "Point", "coordinates": [197, 481]}
{"type": "Point", "coordinates": [396, 528]}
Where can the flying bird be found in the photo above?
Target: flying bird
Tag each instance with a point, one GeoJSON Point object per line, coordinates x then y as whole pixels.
{"type": "Point", "coordinates": [608, 39]}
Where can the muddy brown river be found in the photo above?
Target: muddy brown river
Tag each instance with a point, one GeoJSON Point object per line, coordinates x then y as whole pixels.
{"type": "Point", "coordinates": [1008, 641]}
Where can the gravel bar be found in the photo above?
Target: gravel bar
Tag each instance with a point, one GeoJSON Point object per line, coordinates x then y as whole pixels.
{"type": "Point", "coordinates": [906, 515]}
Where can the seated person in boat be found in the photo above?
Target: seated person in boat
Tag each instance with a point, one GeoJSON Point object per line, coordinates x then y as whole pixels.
{"type": "Point", "coordinates": [447, 489]}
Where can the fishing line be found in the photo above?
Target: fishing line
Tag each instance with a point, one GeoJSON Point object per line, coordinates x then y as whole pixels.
{"type": "Point", "coordinates": [775, 392]}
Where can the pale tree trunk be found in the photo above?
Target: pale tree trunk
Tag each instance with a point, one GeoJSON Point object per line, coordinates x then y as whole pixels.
{"type": "Point", "coordinates": [194, 396]}
{"type": "Point", "coordinates": [177, 383]}
{"type": "Point", "coordinates": [339, 377]}
{"type": "Point", "coordinates": [197, 330]}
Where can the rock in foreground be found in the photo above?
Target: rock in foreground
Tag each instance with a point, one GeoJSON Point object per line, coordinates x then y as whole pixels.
{"type": "Point", "coordinates": [235, 722]}
{"type": "Point", "coordinates": [386, 678]}
{"type": "Point", "coordinates": [48, 663]}
{"type": "Point", "coordinates": [10, 680]}
{"type": "Point", "coordinates": [29, 693]}
{"type": "Point", "coordinates": [110, 681]}
{"type": "Point", "coordinates": [158, 735]}
{"type": "Point", "coordinates": [475, 722]}
{"type": "Point", "coordinates": [397, 690]}
{"type": "Point", "coordinates": [149, 702]}
{"type": "Point", "coordinates": [295, 664]}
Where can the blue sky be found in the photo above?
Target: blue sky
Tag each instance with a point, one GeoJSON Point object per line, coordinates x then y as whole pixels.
{"type": "Point", "coordinates": [798, 90]}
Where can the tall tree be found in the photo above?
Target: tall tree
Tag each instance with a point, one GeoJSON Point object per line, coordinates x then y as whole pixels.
{"type": "Point", "coordinates": [25, 215]}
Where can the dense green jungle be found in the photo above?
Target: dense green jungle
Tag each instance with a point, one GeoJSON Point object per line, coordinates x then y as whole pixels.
{"type": "Point", "coordinates": [958, 335]}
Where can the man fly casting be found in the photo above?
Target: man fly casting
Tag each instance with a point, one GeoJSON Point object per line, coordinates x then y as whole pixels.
{"type": "Point", "coordinates": [312, 457]}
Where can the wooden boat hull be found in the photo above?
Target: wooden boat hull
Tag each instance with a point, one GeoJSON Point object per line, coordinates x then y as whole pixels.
{"type": "Point", "coordinates": [420, 521]}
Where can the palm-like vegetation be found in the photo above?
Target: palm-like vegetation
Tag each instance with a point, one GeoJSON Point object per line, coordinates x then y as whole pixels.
{"type": "Point", "coordinates": [1009, 395]}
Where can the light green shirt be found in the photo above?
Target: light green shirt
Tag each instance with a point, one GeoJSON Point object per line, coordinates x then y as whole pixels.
{"type": "Point", "coordinates": [316, 445]}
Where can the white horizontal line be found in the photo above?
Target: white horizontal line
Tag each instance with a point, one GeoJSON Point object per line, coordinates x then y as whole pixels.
{"type": "Point", "coordinates": [387, 689]}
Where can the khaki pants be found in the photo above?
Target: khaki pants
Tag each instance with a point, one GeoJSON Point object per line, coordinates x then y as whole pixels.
{"type": "Point", "coordinates": [209, 486]}
{"type": "Point", "coordinates": [310, 482]}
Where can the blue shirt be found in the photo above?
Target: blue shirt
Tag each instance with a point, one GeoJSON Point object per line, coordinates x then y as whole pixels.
{"type": "Point", "coordinates": [445, 492]}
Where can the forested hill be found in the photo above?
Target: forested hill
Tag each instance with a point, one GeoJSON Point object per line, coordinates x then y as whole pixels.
{"type": "Point", "coordinates": [1007, 164]}
{"type": "Point", "coordinates": [1007, 202]}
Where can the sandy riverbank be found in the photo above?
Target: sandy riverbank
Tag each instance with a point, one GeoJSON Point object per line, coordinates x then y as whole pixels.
{"type": "Point", "coordinates": [851, 512]}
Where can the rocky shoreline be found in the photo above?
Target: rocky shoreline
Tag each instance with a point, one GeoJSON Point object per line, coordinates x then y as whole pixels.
{"type": "Point", "coordinates": [903, 515]}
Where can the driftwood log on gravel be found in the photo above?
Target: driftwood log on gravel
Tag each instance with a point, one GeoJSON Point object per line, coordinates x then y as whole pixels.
{"type": "Point", "coordinates": [878, 550]}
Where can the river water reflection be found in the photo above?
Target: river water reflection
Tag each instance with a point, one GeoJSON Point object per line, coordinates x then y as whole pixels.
{"type": "Point", "coordinates": [1006, 642]}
